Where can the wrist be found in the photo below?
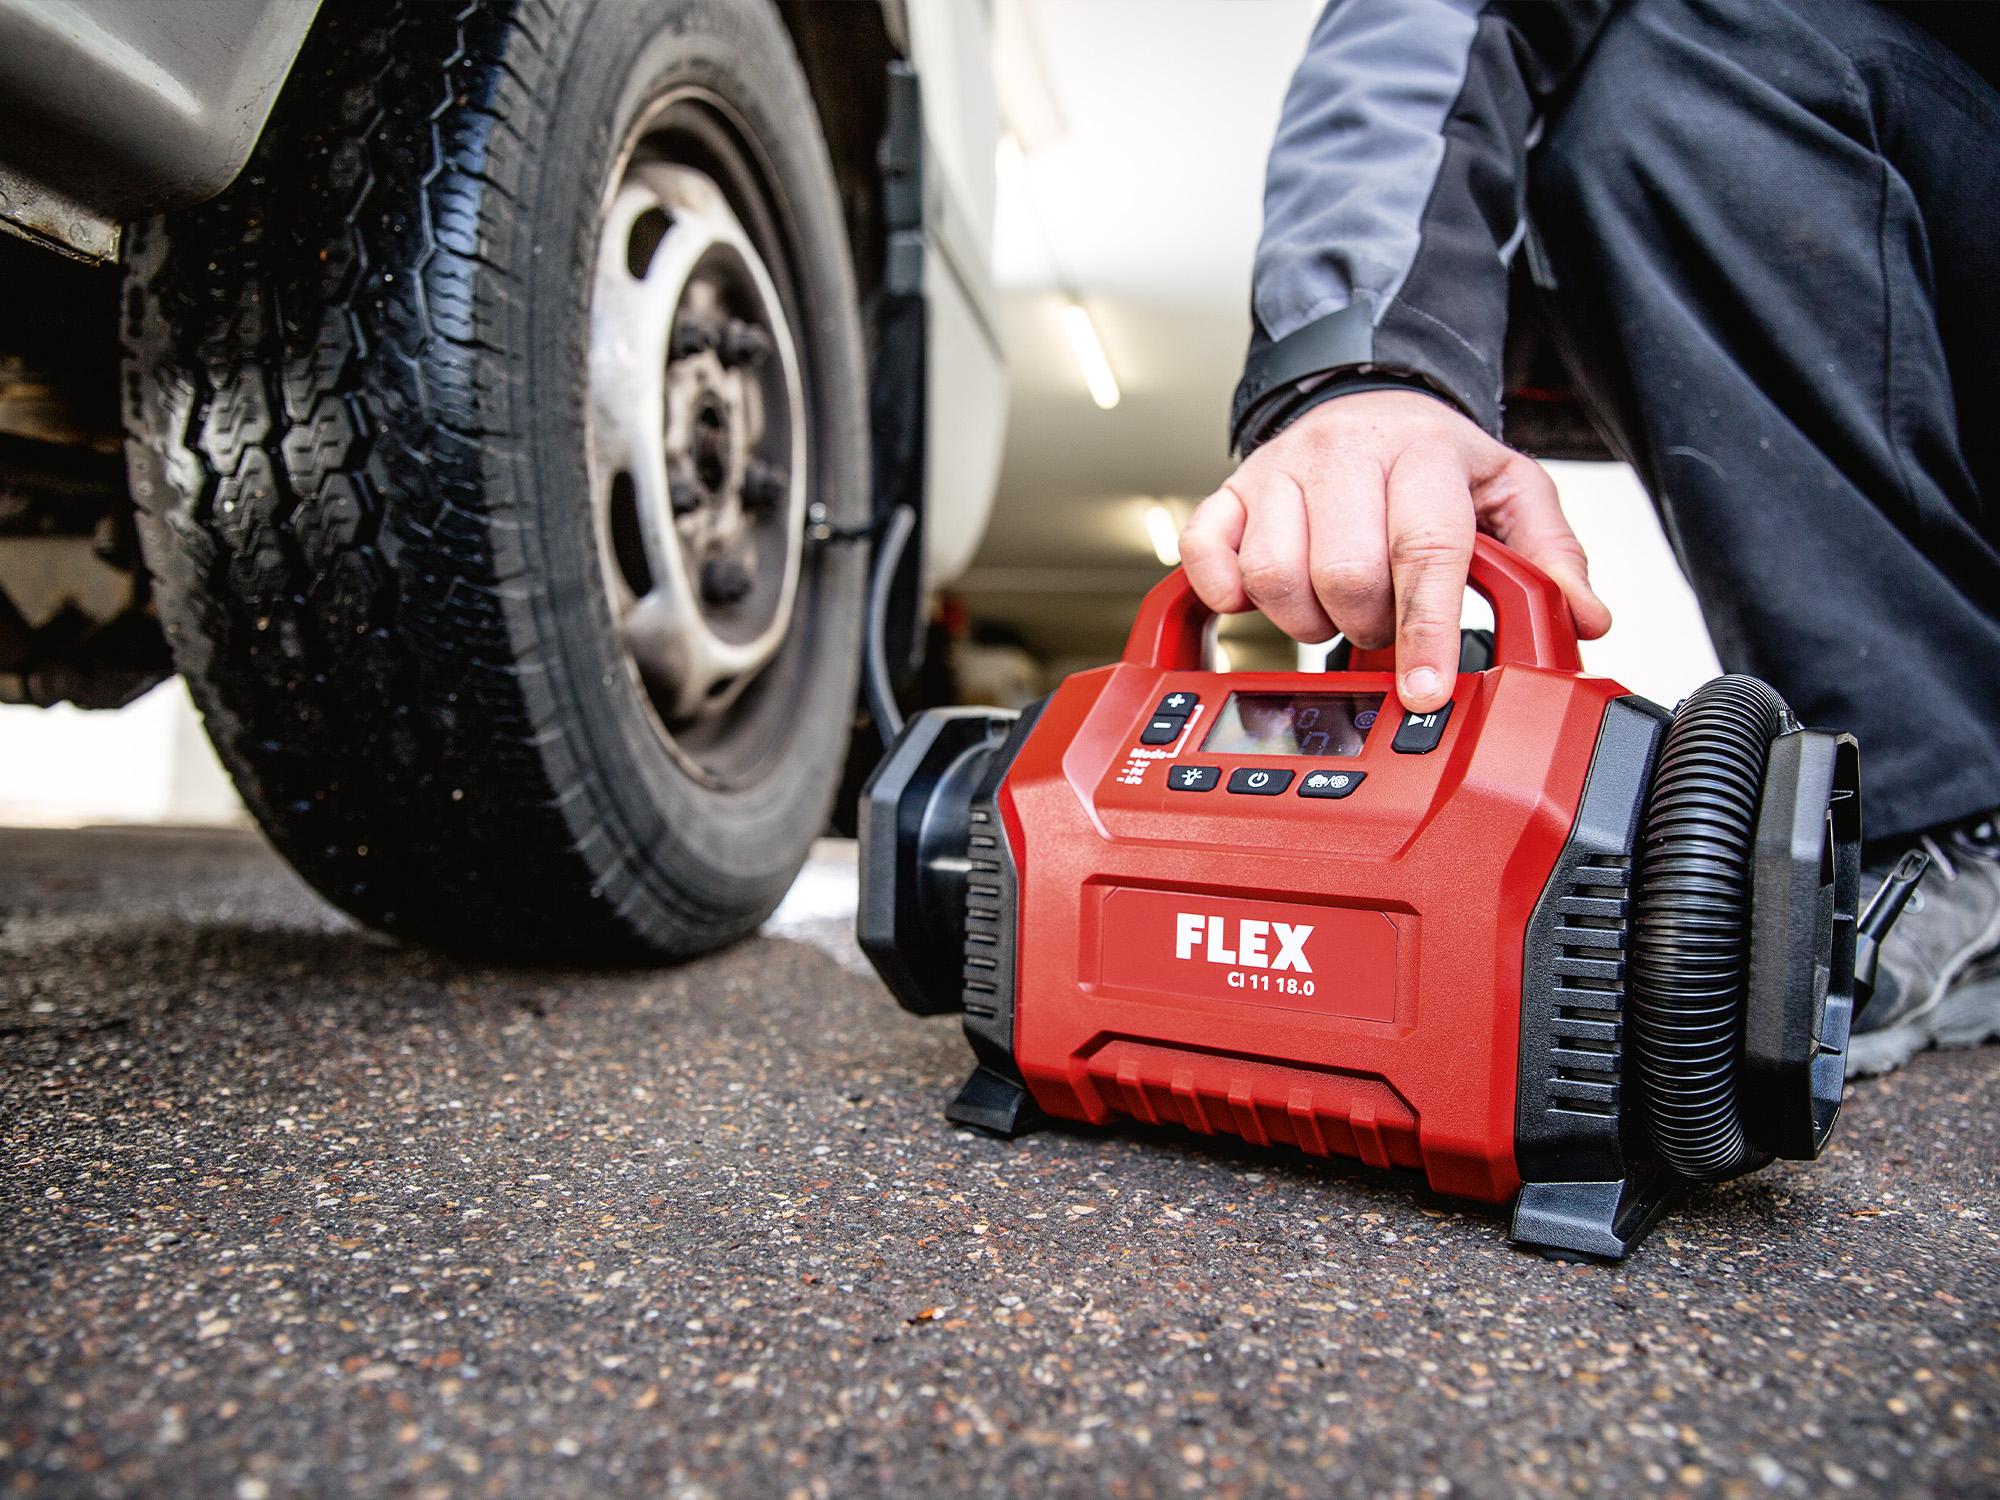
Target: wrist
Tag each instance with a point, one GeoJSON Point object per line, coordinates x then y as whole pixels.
{"type": "Point", "coordinates": [1281, 410]}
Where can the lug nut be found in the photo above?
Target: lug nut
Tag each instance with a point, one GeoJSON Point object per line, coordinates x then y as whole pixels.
{"type": "Point", "coordinates": [724, 580]}
{"type": "Point", "coordinates": [682, 496]}
{"type": "Point", "coordinates": [743, 344]}
{"type": "Point", "coordinates": [764, 485]}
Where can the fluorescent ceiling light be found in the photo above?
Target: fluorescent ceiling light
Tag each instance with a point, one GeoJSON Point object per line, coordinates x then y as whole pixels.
{"type": "Point", "coordinates": [1164, 532]}
{"type": "Point", "coordinates": [1089, 354]}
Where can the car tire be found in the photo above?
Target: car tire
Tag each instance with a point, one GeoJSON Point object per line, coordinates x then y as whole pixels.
{"type": "Point", "coordinates": [367, 391]}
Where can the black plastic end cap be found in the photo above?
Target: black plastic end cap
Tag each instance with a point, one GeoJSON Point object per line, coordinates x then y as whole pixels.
{"type": "Point", "coordinates": [913, 815]}
{"type": "Point", "coordinates": [1805, 886]}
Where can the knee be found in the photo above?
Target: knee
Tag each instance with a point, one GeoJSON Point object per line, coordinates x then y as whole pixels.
{"type": "Point", "coordinates": [1674, 98]}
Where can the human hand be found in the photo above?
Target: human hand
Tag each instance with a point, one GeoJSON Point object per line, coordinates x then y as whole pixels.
{"type": "Point", "coordinates": [1360, 516]}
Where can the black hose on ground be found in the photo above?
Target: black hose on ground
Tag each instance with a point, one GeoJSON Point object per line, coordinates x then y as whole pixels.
{"type": "Point", "coordinates": [1690, 938]}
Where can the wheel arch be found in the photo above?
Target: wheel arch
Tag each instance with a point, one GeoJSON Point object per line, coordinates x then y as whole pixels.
{"type": "Point", "coordinates": [845, 51]}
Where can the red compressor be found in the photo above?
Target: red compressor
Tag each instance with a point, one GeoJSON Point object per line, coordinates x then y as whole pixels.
{"type": "Point", "coordinates": [1550, 944]}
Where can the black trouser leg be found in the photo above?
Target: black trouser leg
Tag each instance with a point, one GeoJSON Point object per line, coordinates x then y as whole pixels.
{"type": "Point", "coordinates": [1775, 233]}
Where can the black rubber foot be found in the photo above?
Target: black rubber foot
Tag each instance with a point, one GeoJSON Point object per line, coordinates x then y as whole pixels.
{"type": "Point", "coordinates": [1000, 1106]}
{"type": "Point", "coordinates": [1600, 1220]}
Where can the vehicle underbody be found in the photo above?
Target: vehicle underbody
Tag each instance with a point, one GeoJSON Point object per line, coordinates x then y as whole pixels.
{"type": "Point", "coordinates": [76, 617]}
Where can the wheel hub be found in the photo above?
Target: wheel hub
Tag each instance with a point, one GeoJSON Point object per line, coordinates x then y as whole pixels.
{"type": "Point", "coordinates": [698, 430]}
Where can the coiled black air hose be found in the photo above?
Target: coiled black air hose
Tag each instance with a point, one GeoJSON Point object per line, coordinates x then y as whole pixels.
{"type": "Point", "coordinates": [1690, 938]}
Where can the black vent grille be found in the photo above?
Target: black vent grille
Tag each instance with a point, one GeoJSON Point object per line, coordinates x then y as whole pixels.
{"type": "Point", "coordinates": [1585, 1055]}
{"type": "Point", "coordinates": [1574, 1106]}
{"type": "Point", "coordinates": [985, 916]}
{"type": "Point", "coordinates": [993, 1098]}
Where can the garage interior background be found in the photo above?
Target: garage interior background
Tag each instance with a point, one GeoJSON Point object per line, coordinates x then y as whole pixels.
{"type": "Point", "coordinates": [1126, 213]}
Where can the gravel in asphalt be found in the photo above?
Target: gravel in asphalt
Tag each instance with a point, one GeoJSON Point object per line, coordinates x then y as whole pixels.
{"type": "Point", "coordinates": [292, 1210]}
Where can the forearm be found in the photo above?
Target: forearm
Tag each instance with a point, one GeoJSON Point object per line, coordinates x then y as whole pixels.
{"type": "Point", "coordinates": [1393, 202]}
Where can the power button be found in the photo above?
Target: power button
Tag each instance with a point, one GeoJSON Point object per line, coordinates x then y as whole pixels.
{"type": "Point", "coordinates": [1259, 781]}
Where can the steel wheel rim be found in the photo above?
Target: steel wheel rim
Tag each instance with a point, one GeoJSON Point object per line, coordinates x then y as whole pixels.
{"type": "Point", "coordinates": [698, 461]}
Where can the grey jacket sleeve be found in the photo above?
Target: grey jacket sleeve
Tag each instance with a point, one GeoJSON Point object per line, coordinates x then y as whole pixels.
{"type": "Point", "coordinates": [1394, 201]}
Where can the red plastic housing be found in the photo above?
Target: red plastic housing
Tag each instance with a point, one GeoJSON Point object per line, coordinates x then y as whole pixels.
{"type": "Point", "coordinates": [1383, 1021]}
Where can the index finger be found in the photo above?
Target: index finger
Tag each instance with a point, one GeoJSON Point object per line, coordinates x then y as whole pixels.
{"type": "Point", "coordinates": [1431, 528]}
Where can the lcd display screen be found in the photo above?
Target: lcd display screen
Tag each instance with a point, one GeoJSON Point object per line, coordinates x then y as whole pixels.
{"type": "Point", "coordinates": [1315, 724]}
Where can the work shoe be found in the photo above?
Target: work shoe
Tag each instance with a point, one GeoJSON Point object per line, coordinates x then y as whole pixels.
{"type": "Point", "coordinates": [1939, 980]}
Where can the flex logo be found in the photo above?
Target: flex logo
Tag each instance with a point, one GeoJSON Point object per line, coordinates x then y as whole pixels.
{"type": "Point", "coordinates": [1258, 944]}
{"type": "Point", "coordinates": [1239, 951]}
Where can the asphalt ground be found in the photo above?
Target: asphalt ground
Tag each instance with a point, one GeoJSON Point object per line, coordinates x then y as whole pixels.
{"type": "Point", "coordinates": [291, 1210]}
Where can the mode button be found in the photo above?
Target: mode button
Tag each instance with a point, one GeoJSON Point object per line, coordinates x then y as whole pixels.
{"type": "Point", "coordinates": [1331, 783]}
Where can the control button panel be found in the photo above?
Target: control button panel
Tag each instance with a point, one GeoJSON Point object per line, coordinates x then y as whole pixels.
{"type": "Point", "coordinates": [1193, 778]}
{"type": "Point", "coordinates": [1420, 733]}
{"type": "Point", "coordinates": [1169, 719]}
{"type": "Point", "coordinates": [1259, 781]}
{"type": "Point", "coordinates": [1331, 783]}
